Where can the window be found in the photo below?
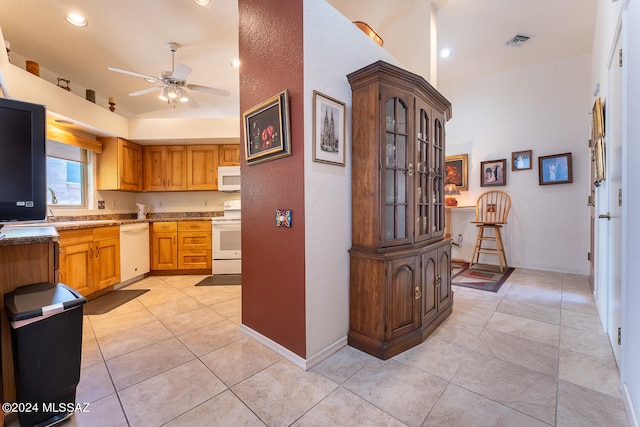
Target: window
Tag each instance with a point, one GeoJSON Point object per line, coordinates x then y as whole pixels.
{"type": "Point", "coordinates": [66, 175]}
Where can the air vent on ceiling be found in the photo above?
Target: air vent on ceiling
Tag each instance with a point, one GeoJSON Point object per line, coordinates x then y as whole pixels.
{"type": "Point", "coordinates": [518, 40]}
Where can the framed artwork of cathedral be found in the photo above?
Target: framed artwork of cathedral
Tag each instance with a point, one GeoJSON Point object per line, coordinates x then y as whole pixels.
{"type": "Point", "coordinates": [266, 129]}
{"type": "Point", "coordinates": [328, 129]}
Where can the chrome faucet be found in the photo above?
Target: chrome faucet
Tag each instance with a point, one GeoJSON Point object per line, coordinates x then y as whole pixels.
{"type": "Point", "coordinates": [54, 199]}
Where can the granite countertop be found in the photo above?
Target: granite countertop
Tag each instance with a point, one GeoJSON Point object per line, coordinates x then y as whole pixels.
{"type": "Point", "coordinates": [26, 233]}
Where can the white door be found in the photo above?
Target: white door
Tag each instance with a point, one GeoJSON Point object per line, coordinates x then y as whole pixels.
{"type": "Point", "coordinates": [613, 138]}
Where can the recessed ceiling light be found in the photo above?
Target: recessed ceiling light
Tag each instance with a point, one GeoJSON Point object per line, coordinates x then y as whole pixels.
{"type": "Point", "coordinates": [445, 52]}
{"type": "Point", "coordinates": [203, 3]}
{"type": "Point", "coordinates": [235, 63]}
{"type": "Point", "coordinates": [77, 20]}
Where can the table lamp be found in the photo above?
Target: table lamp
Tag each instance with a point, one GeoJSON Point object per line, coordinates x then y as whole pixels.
{"type": "Point", "coordinates": [451, 190]}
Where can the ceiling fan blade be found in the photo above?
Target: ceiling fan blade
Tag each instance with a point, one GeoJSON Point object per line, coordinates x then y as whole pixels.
{"type": "Point", "coordinates": [211, 90]}
{"type": "Point", "coordinates": [181, 72]}
{"type": "Point", "coordinates": [131, 73]}
{"type": "Point", "coordinates": [143, 91]}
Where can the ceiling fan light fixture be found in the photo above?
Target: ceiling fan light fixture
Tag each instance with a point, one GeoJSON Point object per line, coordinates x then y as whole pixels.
{"type": "Point", "coordinates": [163, 94]}
{"type": "Point", "coordinates": [173, 93]}
{"type": "Point", "coordinates": [77, 20]}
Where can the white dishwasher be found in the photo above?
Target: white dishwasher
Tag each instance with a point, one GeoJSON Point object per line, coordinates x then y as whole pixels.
{"type": "Point", "coordinates": [134, 250]}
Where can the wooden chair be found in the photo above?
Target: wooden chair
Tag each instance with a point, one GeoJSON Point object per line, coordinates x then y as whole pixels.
{"type": "Point", "coordinates": [492, 209]}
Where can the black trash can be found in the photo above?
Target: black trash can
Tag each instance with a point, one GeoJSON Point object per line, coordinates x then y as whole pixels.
{"type": "Point", "coordinates": [46, 333]}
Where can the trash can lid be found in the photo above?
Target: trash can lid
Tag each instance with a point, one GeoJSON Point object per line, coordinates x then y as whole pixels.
{"type": "Point", "coordinates": [35, 300]}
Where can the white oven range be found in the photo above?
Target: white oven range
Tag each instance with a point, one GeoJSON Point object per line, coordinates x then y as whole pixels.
{"type": "Point", "coordinates": [225, 239]}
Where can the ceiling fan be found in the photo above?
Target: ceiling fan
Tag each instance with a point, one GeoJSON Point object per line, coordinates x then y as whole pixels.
{"type": "Point", "coordinates": [173, 83]}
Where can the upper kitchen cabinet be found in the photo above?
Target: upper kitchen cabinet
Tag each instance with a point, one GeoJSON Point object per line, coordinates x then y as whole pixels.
{"type": "Point", "coordinates": [229, 155]}
{"type": "Point", "coordinates": [119, 166]}
{"type": "Point", "coordinates": [165, 168]}
{"type": "Point", "coordinates": [202, 167]}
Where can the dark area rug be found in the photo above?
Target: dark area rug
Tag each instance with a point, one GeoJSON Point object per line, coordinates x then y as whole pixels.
{"type": "Point", "coordinates": [107, 302]}
{"type": "Point", "coordinates": [221, 280]}
{"type": "Point", "coordinates": [480, 276]}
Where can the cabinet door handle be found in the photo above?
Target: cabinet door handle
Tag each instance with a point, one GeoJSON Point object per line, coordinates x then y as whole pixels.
{"type": "Point", "coordinates": [97, 251]}
{"type": "Point", "coordinates": [168, 183]}
{"type": "Point", "coordinates": [438, 280]}
{"type": "Point", "coordinates": [164, 183]}
{"type": "Point", "coordinates": [432, 173]}
{"type": "Point", "coordinates": [121, 180]}
{"type": "Point", "coordinates": [410, 169]}
{"type": "Point", "coordinates": [90, 253]}
{"type": "Point", "coordinates": [417, 294]}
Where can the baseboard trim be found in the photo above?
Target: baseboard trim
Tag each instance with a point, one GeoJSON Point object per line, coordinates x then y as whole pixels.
{"type": "Point", "coordinates": [300, 362]}
{"type": "Point", "coordinates": [628, 405]}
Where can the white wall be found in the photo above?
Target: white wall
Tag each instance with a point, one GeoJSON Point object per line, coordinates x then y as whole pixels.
{"type": "Point", "coordinates": [333, 48]}
{"type": "Point", "coordinates": [544, 108]}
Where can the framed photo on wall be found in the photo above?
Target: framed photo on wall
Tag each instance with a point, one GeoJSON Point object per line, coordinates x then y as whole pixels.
{"type": "Point", "coordinates": [267, 130]}
{"type": "Point", "coordinates": [555, 169]}
{"type": "Point", "coordinates": [493, 173]}
{"type": "Point", "coordinates": [456, 171]}
{"type": "Point", "coordinates": [328, 129]}
{"type": "Point", "coordinates": [521, 160]}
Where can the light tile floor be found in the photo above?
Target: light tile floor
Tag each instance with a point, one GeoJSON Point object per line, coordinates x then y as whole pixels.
{"type": "Point", "coordinates": [533, 354]}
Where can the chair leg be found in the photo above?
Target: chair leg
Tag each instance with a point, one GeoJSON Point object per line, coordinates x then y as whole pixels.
{"type": "Point", "coordinates": [476, 247]}
{"type": "Point", "coordinates": [501, 253]}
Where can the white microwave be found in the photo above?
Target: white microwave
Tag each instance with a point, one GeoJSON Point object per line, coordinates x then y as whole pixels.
{"type": "Point", "coordinates": [228, 178]}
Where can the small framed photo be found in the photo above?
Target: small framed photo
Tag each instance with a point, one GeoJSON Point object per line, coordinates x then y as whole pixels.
{"type": "Point", "coordinates": [328, 129]}
{"type": "Point", "coordinates": [597, 129]}
{"type": "Point", "coordinates": [267, 129]}
{"type": "Point", "coordinates": [521, 160]}
{"type": "Point", "coordinates": [493, 173]}
{"type": "Point", "coordinates": [556, 169]}
{"type": "Point", "coordinates": [456, 171]}
{"type": "Point", "coordinates": [600, 159]}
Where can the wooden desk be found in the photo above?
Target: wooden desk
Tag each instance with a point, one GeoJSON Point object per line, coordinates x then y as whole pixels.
{"type": "Point", "coordinates": [27, 255]}
{"type": "Point", "coordinates": [447, 217]}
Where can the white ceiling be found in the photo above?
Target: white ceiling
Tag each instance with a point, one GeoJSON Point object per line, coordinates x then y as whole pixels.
{"type": "Point", "coordinates": [132, 35]}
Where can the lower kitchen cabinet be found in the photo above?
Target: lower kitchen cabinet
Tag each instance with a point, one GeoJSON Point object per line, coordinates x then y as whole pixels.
{"type": "Point", "coordinates": [183, 245]}
{"type": "Point", "coordinates": [90, 258]}
{"type": "Point", "coordinates": [398, 298]}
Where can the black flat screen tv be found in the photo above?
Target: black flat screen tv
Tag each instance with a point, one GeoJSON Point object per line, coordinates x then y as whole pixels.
{"type": "Point", "coordinates": [23, 161]}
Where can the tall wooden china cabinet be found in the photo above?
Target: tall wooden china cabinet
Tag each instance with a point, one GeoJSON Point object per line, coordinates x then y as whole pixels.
{"type": "Point", "coordinates": [400, 288]}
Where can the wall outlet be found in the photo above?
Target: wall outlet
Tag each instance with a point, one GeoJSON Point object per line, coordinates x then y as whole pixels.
{"type": "Point", "coordinates": [160, 204]}
{"type": "Point", "coordinates": [459, 238]}
{"type": "Point", "coordinates": [113, 204]}
{"type": "Point", "coordinates": [206, 203]}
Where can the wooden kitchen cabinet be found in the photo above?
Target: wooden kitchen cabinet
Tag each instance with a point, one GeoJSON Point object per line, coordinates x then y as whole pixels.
{"type": "Point", "coordinates": [400, 285]}
{"type": "Point", "coordinates": [194, 245]}
{"type": "Point", "coordinates": [164, 248]}
{"type": "Point", "coordinates": [165, 168]}
{"type": "Point", "coordinates": [229, 155]}
{"type": "Point", "coordinates": [202, 167]}
{"type": "Point", "coordinates": [119, 166]}
{"type": "Point", "coordinates": [182, 245]}
{"type": "Point", "coordinates": [90, 258]}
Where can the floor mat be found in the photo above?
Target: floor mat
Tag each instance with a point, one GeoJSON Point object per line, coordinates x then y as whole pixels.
{"type": "Point", "coordinates": [107, 302]}
{"type": "Point", "coordinates": [221, 280]}
{"type": "Point", "coordinates": [481, 276]}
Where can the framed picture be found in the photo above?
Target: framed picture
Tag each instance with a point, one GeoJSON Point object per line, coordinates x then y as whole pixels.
{"type": "Point", "coordinates": [328, 129]}
{"type": "Point", "coordinates": [521, 160]}
{"type": "Point", "coordinates": [266, 129]}
{"type": "Point", "coordinates": [456, 171]}
{"type": "Point", "coordinates": [598, 120]}
{"type": "Point", "coordinates": [599, 157]}
{"type": "Point", "coordinates": [555, 169]}
{"type": "Point", "coordinates": [493, 173]}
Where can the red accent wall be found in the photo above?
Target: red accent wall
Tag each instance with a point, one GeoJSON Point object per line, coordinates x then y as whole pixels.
{"type": "Point", "coordinates": [273, 259]}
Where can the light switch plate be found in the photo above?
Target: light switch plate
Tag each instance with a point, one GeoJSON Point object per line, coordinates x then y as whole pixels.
{"type": "Point", "coordinates": [283, 218]}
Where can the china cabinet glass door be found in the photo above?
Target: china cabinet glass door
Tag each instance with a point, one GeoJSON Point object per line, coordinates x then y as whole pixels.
{"type": "Point", "coordinates": [423, 198]}
{"type": "Point", "coordinates": [437, 180]}
{"type": "Point", "coordinates": [397, 161]}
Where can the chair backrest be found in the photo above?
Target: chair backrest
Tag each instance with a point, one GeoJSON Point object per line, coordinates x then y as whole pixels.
{"type": "Point", "coordinates": [493, 207]}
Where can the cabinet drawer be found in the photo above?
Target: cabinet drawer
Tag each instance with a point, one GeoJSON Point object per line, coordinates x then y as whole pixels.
{"type": "Point", "coordinates": [194, 226]}
{"type": "Point", "coordinates": [74, 237]}
{"type": "Point", "coordinates": [164, 226]}
{"type": "Point", "coordinates": [194, 240]}
{"type": "Point", "coordinates": [194, 259]}
{"type": "Point", "coordinates": [101, 233]}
